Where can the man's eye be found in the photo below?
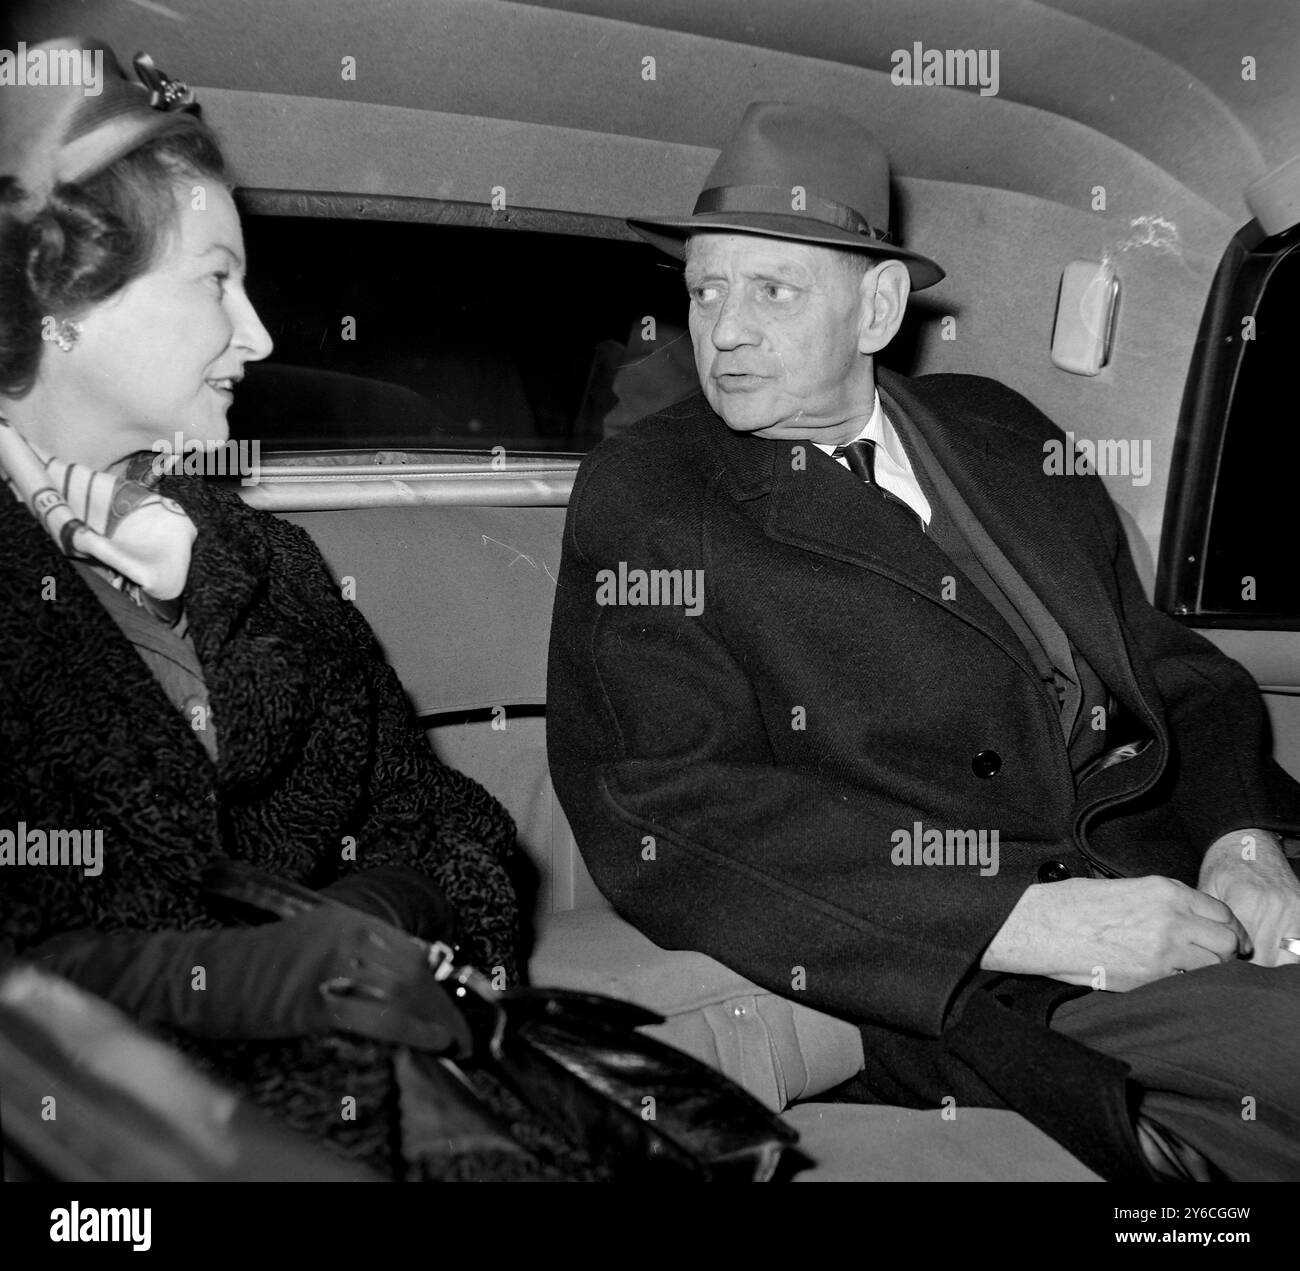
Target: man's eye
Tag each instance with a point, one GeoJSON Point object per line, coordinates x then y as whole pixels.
{"type": "Point", "coordinates": [705, 294]}
{"type": "Point", "coordinates": [776, 291]}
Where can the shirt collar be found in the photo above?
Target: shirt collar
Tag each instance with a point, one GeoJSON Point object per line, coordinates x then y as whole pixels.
{"type": "Point", "coordinates": [881, 431]}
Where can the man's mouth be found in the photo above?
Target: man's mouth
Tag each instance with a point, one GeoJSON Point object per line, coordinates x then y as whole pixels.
{"type": "Point", "coordinates": [226, 384]}
{"type": "Point", "coordinates": [739, 381]}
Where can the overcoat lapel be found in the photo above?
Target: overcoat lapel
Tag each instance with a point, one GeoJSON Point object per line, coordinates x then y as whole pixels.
{"type": "Point", "coordinates": [75, 626]}
{"type": "Point", "coordinates": [817, 505]}
{"type": "Point", "coordinates": [1000, 475]}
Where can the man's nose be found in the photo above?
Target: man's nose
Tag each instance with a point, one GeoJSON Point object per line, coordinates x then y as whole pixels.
{"type": "Point", "coordinates": [734, 325]}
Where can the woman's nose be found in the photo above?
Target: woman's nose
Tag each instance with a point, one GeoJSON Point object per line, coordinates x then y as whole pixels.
{"type": "Point", "coordinates": [250, 334]}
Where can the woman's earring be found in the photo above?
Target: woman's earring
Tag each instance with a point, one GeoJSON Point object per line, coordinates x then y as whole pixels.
{"type": "Point", "coordinates": [66, 334]}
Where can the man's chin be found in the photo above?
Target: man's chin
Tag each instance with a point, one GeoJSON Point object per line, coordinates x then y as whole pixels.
{"type": "Point", "coordinates": [764, 424]}
{"type": "Point", "coordinates": [741, 414]}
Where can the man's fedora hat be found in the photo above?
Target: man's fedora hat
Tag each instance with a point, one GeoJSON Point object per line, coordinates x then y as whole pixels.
{"type": "Point", "coordinates": [792, 171]}
{"type": "Point", "coordinates": [67, 111]}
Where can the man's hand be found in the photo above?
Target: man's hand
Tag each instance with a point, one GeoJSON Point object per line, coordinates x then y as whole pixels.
{"type": "Point", "coordinates": [1249, 872]}
{"type": "Point", "coordinates": [1114, 933]}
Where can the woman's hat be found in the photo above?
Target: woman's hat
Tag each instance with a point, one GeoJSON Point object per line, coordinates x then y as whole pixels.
{"type": "Point", "coordinates": [67, 111]}
{"type": "Point", "coordinates": [792, 171]}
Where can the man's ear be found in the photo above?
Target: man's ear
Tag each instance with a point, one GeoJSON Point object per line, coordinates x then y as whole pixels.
{"type": "Point", "coordinates": [885, 289]}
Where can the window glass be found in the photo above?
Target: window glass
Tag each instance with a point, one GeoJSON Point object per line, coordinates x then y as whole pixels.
{"type": "Point", "coordinates": [414, 336]}
{"type": "Point", "coordinates": [1252, 563]}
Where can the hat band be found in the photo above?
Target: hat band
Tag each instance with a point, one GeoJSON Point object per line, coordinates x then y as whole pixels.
{"type": "Point", "coordinates": [772, 198]}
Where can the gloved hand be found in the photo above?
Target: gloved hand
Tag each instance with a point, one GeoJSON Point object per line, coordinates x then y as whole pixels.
{"type": "Point", "coordinates": [333, 968]}
{"type": "Point", "coordinates": [401, 896]}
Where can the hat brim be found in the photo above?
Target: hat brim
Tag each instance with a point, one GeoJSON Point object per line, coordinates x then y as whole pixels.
{"type": "Point", "coordinates": [670, 236]}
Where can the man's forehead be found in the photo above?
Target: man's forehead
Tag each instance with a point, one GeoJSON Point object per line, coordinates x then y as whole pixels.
{"type": "Point", "coordinates": [754, 253]}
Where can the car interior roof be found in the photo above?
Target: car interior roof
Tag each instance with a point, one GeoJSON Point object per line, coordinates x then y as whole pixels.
{"type": "Point", "coordinates": [1163, 77]}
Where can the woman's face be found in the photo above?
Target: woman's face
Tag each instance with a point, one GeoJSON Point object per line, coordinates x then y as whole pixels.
{"type": "Point", "coordinates": [162, 355]}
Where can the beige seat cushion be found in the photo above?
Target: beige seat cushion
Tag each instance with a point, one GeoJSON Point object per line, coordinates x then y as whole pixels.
{"type": "Point", "coordinates": [853, 1142]}
{"type": "Point", "coordinates": [778, 1050]}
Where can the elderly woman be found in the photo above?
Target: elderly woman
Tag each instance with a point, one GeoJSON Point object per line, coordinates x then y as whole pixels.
{"type": "Point", "coordinates": [181, 679]}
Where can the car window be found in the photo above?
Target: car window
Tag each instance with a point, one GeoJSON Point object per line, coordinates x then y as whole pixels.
{"type": "Point", "coordinates": [1251, 564]}
{"type": "Point", "coordinates": [1228, 549]}
{"type": "Point", "coordinates": [392, 335]}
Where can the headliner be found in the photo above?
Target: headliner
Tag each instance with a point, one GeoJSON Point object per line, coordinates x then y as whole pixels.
{"type": "Point", "coordinates": [1162, 78]}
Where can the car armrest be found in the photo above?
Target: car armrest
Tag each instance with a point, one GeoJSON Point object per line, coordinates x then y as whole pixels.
{"type": "Point", "coordinates": [777, 1049]}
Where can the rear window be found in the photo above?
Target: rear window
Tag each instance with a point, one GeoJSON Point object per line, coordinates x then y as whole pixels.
{"type": "Point", "coordinates": [1228, 550]}
{"type": "Point", "coordinates": [1251, 547]}
{"type": "Point", "coordinates": [392, 335]}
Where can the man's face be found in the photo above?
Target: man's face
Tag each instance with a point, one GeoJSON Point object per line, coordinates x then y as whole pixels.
{"type": "Point", "coordinates": [775, 325]}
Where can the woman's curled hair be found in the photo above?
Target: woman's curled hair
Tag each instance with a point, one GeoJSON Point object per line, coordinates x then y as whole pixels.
{"type": "Point", "coordinates": [90, 239]}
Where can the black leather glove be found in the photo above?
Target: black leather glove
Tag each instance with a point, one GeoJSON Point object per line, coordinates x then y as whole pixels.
{"type": "Point", "coordinates": [333, 968]}
{"type": "Point", "coordinates": [401, 896]}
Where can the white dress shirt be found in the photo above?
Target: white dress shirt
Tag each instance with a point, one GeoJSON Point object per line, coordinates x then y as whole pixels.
{"type": "Point", "coordinates": [893, 469]}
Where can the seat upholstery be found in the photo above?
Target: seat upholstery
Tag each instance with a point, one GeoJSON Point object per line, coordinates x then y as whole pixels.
{"type": "Point", "coordinates": [782, 1052]}
{"type": "Point", "coordinates": [859, 1143]}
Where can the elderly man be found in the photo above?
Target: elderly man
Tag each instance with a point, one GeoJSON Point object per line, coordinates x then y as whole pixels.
{"type": "Point", "coordinates": [850, 694]}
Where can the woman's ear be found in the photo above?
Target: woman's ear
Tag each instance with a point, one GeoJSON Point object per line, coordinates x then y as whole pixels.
{"type": "Point", "coordinates": [884, 291]}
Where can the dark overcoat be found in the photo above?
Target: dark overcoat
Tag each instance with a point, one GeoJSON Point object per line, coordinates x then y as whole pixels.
{"type": "Point", "coordinates": [738, 779]}
{"type": "Point", "coordinates": [320, 772]}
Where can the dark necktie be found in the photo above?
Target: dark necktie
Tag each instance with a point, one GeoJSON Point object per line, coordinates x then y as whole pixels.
{"type": "Point", "coordinates": [861, 457]}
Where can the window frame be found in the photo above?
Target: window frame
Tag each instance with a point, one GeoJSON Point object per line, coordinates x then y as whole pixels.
{"type": "Point", "coordinates": [260, 201]}
{"type": "Point", "coordinates": [1236, 292]}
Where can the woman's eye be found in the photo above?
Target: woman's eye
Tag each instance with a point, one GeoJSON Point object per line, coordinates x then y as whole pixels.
{"type": "Point", "coordinates": [222, 276]}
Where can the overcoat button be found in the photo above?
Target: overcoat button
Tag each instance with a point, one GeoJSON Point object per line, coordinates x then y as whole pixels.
{"type": "Point", "coordinates": [1054, 872]}
{"type": "Point", "coordinates": [986, 763]}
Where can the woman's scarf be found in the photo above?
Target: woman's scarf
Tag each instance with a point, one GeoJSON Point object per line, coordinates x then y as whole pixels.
{"type": "Point", "coordinates": [120, 522]}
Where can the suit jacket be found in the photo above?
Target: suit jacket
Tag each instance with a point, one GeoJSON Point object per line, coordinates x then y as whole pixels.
{"type": "Point", "coordinates": [315, 746]}
{"type": "Point", "coordinates": [738, 780]}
